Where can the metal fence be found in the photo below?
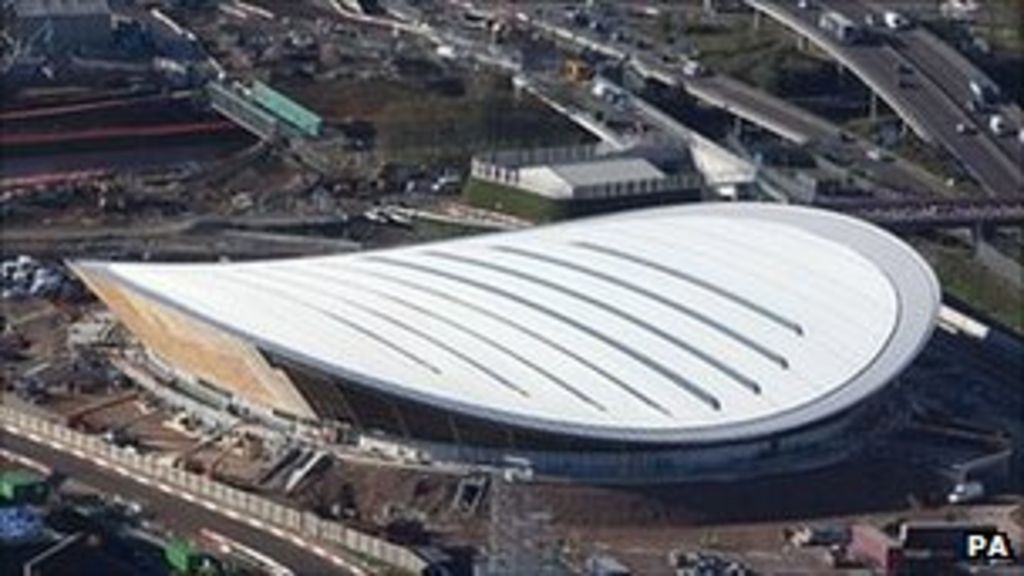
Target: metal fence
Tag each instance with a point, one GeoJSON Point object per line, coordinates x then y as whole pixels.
{"type": "Point", "coordinates": [306, 525]}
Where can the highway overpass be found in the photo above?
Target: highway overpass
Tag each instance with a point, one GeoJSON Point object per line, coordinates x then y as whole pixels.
{"type": "Point", "coordinates": [759, 108]}
{"type": "Point", "coordinates": [931, 99]}
{"type": "Point", "coordinates": [929, 214]}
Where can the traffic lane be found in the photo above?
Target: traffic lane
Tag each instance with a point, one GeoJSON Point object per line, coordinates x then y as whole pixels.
{"type": "Point", "coordinates": [929, 107]}
{"type": "Point", "coordinates": [901, 178]}
{"type": "Point", "coordinates": [178, 514]}
{"type": "Point", "coordinates": [733, 91]}
{"type": "Point", "coordinates": [890, 174]}
{"type": "Point", "coordinates": [954, 80]}
{"type": "Point", "coordinates": [983, 159]}
{"type": "Point", "coordinates": [942, 92]}
{"type": "Point", "coordinates": [979, 154]}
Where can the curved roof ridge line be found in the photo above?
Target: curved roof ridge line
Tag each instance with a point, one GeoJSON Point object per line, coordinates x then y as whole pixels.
{"type": "Point", "coordinates": [475, 334]}
{"type": "Point", "coordinates": [421, 334]}
{"type": "Point", "coordinates": [700, 317]}
{"type": "Point", "coordinates": [350, 323]}
{"type": "Point", "coordinates": [540, 308]}
{"type": "Point", "coordinates": [719, 291]}
{"type": "Point", "coordinates": [681, 381]}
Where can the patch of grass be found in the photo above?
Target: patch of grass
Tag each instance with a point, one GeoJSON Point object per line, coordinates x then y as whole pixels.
{"type": "Point", "coordinates": [412, 123]}
{"type": "Point", "coordinates": [971, 282]}
{"type": "Point", "coordinates": [999, 23]}
{"type": "Point", "coordinates": [512, 201]}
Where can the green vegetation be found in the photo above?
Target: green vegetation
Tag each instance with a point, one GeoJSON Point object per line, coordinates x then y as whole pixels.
{"type": "Point", "coordinates": [971, 282]}
{"type": "Point", "coordinates": [767, 58]}
{"type": "Point", "coordinates": [999, 23]}
{"type": "Point", "coordinates": [450, 122]}
{"type": "Point", "coordinates": [731, 51]}
{"type": "Point", "coordinates": [937, 162]}
{"type": "Point", "coordinates": [430, 231]}
{"type": "Point", "coordinates": [512, 201]}
{"type": "Point", "coordinates": [786, 71]}
{"type": "Point", "coordinates": [912, 149]}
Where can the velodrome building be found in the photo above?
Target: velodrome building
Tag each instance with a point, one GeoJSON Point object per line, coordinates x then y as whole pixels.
{"type": "Point", "coordinates": [700, 341]}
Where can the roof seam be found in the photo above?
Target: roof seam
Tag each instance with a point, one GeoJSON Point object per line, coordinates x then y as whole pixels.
{"type": "Point", "coordinates": [423, 335]}
{"type": "Point", "coordinates": [700, 282]}
{"type": "Point", "coordinates": [516, 298]}
{"type": "Point", "coordinates": [475, 334]}
{"type": "Point", "coordinates": [345, 322]}
{"type": "Point", "coordinates": [679, 380]}
{"type": "Point", "coordinates": [682, 308]}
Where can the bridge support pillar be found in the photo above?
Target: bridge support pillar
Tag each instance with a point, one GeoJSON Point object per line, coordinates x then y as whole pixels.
{"type": "Point", "coordinates": [979, 234]}
{"type": "Point", "coordinates": [803, 44]}
{"type": "Point", "coordinates": [873, 106]}
{"type": "Point", "coordinates": [756, 22]}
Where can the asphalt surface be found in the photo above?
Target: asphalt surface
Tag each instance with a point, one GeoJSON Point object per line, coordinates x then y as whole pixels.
{"type": "Point", "coordinates": [907, 69]}
{"type": "Point", "coordinates": [739, 97]}
{"type": "Point", "coordinates": [899, 178]}
{"type": "Point", "coordinates": [178, 514]}
{"type": "Point", "coordinates": [820, 133]}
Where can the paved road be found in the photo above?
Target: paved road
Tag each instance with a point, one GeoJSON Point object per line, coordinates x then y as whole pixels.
{"type": "Point", "coordinates": [950, 71]}
{"type": "Point", "coordinates": [926, 97]}
{"type": "Point", "coordinates": [785, 119]}
{"type": "Point", "coordinates": [820, 135]}
{"type": "Point", "coordinates": [178, 514]}
{"type": "Point", "coordinates": [779, 116]}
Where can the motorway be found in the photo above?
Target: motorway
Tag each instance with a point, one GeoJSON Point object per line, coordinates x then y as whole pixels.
{"type": "Point", "coordinates": [753, 105]}
{"type": "Point", "coordinates": [180, 515]}
{"type": "Point", "coordinates": [819, 135]}
{"type": "Point", "coordinates": [942, 64]}
{"type": "Point", "coordinates": [897, 178]}
{"type": "Point", "coordinates": [926, 97]}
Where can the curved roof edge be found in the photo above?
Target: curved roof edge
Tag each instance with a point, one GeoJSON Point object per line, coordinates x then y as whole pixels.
{"type": "Point", "coordinates": [915, 283]}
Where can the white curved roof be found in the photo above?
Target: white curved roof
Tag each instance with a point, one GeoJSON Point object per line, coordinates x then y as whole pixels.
{"type": "Point", "coordinates": [695, 323]}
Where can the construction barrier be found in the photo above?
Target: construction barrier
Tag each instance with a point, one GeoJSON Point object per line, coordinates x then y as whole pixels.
{"type": "Point", "coordinates": [305, 525]}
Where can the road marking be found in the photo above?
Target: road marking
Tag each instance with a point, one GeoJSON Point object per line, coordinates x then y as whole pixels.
{"type": "Point", "coordinates": [167, 489]}
{"type": "Point", "coordinates": [26, 462]}
{"type": "Point", "coordinates": [237, 547]}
